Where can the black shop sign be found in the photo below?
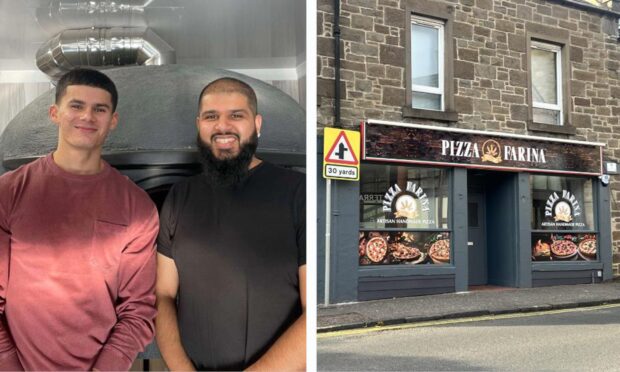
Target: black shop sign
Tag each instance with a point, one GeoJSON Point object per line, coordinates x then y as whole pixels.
{"type": "Point", "coordinates": [417, 144]}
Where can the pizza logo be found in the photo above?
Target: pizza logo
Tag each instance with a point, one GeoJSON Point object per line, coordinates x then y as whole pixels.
{"type": "Point", "coordinates": [491, 152]}
{"type": "Point", "coordinates": [405, 206]}
{"type": "Point", "coordinates": [562, 208]}
{"type": "Point", "coordinates": [407, 203]}
{"type": "Point", "coordinates": [562, 212]}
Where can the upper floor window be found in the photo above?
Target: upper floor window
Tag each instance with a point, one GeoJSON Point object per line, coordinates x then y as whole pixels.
{"type": "Point", "coordinates": [430, 72]}
{"type": "Point", "coordinates": [549, 79]}
{"type": "Point", "coordinates": [427, 64]}
{"type": "Point", "coordinates": [546, 62]}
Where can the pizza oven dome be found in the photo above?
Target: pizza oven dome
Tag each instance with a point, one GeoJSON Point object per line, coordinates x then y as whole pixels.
{"type": "Point", "coordinates": [157, 110]}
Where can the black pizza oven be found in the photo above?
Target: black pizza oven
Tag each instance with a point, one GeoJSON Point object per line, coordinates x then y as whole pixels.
{"type": "Point", "coordinates": [154, 143]}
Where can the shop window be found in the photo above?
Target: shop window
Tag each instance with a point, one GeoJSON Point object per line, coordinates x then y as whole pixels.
{"type": "Point", "coordinates": [547, 83]}
{"type": "Point", "coordinates": [429, 72]}
{"type": "Point", "coordinates": [403, 215]}
{"type": "Point", "coordinates": [563, 225]}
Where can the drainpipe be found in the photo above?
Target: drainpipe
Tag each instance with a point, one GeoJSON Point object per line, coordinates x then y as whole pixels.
{"type": "Point", "coordinates": [615, 6]}
{"type": "Point", "coordinates": [337, 63]}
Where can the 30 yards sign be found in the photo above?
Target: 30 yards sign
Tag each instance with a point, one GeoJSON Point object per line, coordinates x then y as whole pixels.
{"type": "Point", "coordinates": [342, 153]}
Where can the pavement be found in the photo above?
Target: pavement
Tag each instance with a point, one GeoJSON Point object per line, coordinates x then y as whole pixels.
{"type": "Point", "coordinates": [494, 301]}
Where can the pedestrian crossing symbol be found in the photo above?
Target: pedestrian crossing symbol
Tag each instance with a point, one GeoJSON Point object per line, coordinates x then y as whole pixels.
{"type": "Point", "coordinates": [341, 149]}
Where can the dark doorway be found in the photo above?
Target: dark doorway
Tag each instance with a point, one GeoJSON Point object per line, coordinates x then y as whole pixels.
{"type": "Point", "coordinates": [492, 225]}
{"type": "Point", "coordinates": [477, 240]}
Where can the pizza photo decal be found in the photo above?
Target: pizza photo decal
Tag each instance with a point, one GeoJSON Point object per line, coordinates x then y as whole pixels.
{"type": "Point", "coordinates": [376, 249]}
{"type": "Point", "coordinates": [408, 248]}
{"type": "Point", "coordinates": [564, 247]}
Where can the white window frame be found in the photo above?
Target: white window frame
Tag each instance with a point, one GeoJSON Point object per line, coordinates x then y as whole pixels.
{"type": "Point", "coordinates": [558, 79]}
{"type": "Point", "coordinates": [439, 25]}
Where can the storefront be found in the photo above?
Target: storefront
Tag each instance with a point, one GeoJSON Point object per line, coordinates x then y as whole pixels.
{"type": "Point", "coordinates": [444, 210]}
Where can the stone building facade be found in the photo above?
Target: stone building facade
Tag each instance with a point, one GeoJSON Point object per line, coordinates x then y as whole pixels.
{"type": "Point", "coordinates": [487, 69]}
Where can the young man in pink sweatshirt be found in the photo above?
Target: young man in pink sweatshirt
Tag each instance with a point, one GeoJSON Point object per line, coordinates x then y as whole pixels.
{"type": "Point", "coordinates": [77, 246]}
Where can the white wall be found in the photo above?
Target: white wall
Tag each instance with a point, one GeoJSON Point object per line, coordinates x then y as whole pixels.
{"type": "Point", "coordinates": [15, 96]}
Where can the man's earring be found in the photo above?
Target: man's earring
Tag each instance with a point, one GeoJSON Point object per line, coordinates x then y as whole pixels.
{"type": "Point", "coordinates": [258, 135]}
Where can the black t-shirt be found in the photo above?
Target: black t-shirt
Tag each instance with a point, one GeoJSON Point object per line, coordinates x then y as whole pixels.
{"type": "Point", "coordinates": [237, 252]}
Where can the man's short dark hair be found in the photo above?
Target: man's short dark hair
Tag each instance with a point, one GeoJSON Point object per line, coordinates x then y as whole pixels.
{"type": "Point", "coordinates": [231, 85]}
{"type": "Point", "coordinates": [88, 77]}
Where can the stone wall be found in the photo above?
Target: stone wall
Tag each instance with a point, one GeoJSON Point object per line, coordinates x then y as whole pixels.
{"type": "Point", "coordinates": [489, 67]}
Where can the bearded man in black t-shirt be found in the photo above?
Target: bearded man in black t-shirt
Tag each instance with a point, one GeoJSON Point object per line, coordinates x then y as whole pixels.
{"type": "Point", "coordinates": [231, 264]}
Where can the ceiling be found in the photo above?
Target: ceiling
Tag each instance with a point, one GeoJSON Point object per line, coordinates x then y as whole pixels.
{"type": "Point", "coordinates": [261, 38]}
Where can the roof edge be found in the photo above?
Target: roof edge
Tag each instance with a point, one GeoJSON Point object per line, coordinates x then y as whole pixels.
{"type": "Point", "coordinates": [590, 7]}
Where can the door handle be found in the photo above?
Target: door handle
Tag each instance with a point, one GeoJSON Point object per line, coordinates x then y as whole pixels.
{"type": "Point", "coordinates": [470, 244]}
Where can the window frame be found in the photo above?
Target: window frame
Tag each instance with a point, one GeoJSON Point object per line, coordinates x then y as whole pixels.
{"type": "Point", "coordinates": [449, 229]}
{"type": "Point", "coordinates": [594, 229]}
{"type": "Point", "coordinates": [536, 33]}
{"type": "Point", "coordinates": [448, 205]}
{"type": "Point", "coordinates": [440, 90]}
{"type": "Point", "coordinates": [438, 13]}
{"type": "Point", "coordinates": [557, 50]}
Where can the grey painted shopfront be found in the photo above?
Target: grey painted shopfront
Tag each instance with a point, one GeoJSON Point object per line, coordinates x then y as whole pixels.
{"type": "Point", "coordinates": [441, 210]}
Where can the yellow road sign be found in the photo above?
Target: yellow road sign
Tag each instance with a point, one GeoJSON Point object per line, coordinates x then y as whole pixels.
{"type": "Point", "coordinates": [341, 150]}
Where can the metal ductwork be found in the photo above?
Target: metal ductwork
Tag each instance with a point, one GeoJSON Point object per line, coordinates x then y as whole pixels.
{"type": "Point", "coordinates": [102, 48]}
{"type": "Point", "coordinates": [61, 15]}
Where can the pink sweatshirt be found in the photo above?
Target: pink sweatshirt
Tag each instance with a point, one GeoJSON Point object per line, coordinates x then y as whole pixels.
{"type": "Point", "coordinates": [77, 269]}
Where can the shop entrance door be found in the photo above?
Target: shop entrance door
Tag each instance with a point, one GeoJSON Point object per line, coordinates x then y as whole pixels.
{"type": "Point", "coordinates": [492, 251]}
{"type": "Point", "coordinates": [477, 240]}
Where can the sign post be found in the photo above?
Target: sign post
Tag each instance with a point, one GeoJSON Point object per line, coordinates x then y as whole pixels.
{"type": "Point", "coordinates": [341, 162]}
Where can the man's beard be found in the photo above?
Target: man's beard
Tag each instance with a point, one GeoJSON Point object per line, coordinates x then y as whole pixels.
{"type": "Point", "coordinates": [227, 171]}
